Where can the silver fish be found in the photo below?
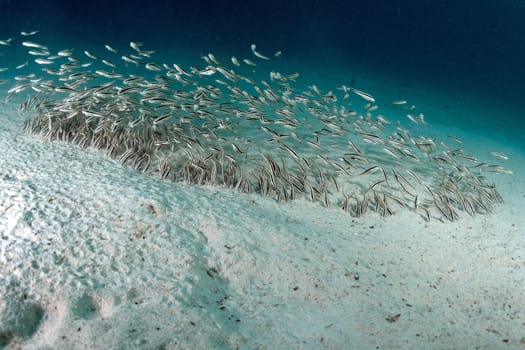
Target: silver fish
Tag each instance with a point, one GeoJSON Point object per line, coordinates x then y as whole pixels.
{"type": "Point", "coordinates": [499, 155]}
{"type": "Point", "coordinates": [153, 67]}
{"type": "Point", "coordinates": [65, 53]}
{"type": "Point", "coordinates": [110, 49]}
{"type": "Point", "coordinates": [257, 54]}
{"type": "Point", "coordinates": [6, 42]}
{"type": "Point", "coordinates": [235, 61]}
{"type": "Point", "coordinates": [136, 46]}
{"type": "Point", "coordinates": [249, 62]}
{"type": "Point", "coordinates": [90, 55]}
{"type": "Point", "coordinates": [33, 45]}
{"type": "Point", "coordinates": [29, 33]}
{"type": "Point", "coordinates": [43, 61]}
{"type": "Point", "coordinates": [364, 95]}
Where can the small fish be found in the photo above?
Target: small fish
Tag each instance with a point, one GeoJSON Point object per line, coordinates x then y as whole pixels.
{"type": "Point", "coordinates": [390, 152]}
{"type": "Point", "coordinates": [90, 55]}
{"type": "Point", "coordinates": [109, 64]}
{"type": "Point", "coordinates": [29, 33]}
{"type": "Point", "coordinates": [153, 67]}
{"type": "Point", "coordinates": [146, 53]}
{"type": "Point", "coordinates": [136, 46]}
{"type": "Point", "coordinates": [315, 144]}
{"type": "Point", "coordinates": [500, 169]}
{"type": "Point", "coordinates": [257, 54]}
{"type": "Point", "coordinates": [455, 138]}
{"type": "Point", "coordinates": [38, 53]}
{"type": "Point", "coordinates": [421, 118]}
{"type": "Point", "coordinates": [160, 119]}
{"type": "Point", "coordinates": [382, 119]}
{"type": "Point", "coordinates": [210, 70]}
{"type": "Point", "coordinates": [24, 77]}
{"type": "Point", "coordinates": [364, 95]}
{"type": "Point", "coordinates": [399, 102]}
{"type": "Point", "coordinates": [366, 171]}
{"type": "Point", "coordinates": [315, 89]}
{"type": "Point", "coordinates": [110, 49]}
{"type": "Point", "coordinates": [278, 54]}
{"type": "Point", "coordinates": [6, 42]}
{"type": "Point", "coordinates": [108, 75]}
{"type": "Point", "coordinates": [414, 175]}
{"type": "Point", "coordinates": [235, 61]}
{"type": "Point", "coordinates": [43, 61]}
{"type": "Point", "coordinates": [129, 60]}
{"type": "Point", "coordinates": [181, 70]}
{"type": "Point", "coordinates": [368, 136]}
{"type": "Point", "coordinates": [22, 65]}
{"type": "Point", "coordinates": [18, 88]}
{"type": "Point", "coordinates": [345, 90]}
{"type": "Point", "coordinates": [248, 62]}
{"type": "Point", "coordinates": [371, 108]}
{"type": "Point", "coordinates": [354, 147]}
{"type": "Point", "coordinates": [65, 53]}
{"type": "Point", "coordinates": [33, 45]}
{"type": "Point", "coordinates": [292, 152]}
{"type": "Point", "coordinates": [412, 119]}
{"type": "Point", "coordinates": [237, 149]}
{"type": "Point", "coordinates": [213, 59]}
{"type": "Point", "coordinates": [499, 155]}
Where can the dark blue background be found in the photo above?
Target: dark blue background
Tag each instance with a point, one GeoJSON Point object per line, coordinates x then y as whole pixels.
{"type": "Point", "coordinates": [478, 46]}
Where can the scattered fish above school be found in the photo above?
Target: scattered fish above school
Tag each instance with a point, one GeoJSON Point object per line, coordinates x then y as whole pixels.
{"type": "Point", "coordinates": [220, 124]}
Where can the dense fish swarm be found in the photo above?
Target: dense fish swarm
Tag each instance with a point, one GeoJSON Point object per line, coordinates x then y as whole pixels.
{"type": "Point", "coordinates": [211, 125]}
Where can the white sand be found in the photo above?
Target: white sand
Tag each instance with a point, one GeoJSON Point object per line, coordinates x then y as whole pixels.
{"type": "Point", "coordinates": [95, 255]}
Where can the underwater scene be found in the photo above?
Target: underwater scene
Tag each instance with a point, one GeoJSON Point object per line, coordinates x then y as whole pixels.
{"type": "Point", "coordinates": [262, 175]}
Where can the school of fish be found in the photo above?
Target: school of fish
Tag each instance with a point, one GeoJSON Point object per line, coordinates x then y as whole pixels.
{"type": "Point", "coordinates": [216, 124]}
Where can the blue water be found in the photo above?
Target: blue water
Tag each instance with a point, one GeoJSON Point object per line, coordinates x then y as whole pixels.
{"type": "Point", "coordinates": [474, 49]}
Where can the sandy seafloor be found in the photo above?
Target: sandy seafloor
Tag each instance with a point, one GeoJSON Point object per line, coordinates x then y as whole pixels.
{"type": "Point", "coordinates": [94, 255]}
